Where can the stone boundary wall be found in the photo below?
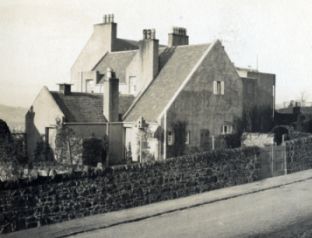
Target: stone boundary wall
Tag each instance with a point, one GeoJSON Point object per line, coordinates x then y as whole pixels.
{"type": "Point", "coordinates": [299, 154]}
{"type": "Point", "coordinates": [46, 200]}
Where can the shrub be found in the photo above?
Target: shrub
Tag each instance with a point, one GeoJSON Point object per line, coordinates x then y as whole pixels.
{"type": "Point", "coordinates": [93, 151]}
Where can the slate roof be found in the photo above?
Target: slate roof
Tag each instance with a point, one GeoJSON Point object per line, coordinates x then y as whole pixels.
{"type": "Point", "coordinates": [125, 44]}
{"type": "Point", "coordinates": [118, 61]}
{"type": "Point", "coordinates": [175, 63]}
{"type": "Point", "coordinates": [87, 107]}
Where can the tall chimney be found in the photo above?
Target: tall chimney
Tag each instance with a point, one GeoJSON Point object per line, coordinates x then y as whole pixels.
{"type": "Point", "coordinates": [107, 31]}
{"type": "Point", "coordinates": [111, 96]}
{"type": "Point", "coordinates": [149, 56]}
{"type": "Point", "coordinates": [178, 37]}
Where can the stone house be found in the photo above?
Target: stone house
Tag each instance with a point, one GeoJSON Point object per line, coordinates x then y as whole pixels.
{"type": "Point", "coordinates": [151, 100]}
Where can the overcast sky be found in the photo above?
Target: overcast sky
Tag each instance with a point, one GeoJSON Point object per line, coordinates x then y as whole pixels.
{"type": "Point", "coordinates": [40, 39]}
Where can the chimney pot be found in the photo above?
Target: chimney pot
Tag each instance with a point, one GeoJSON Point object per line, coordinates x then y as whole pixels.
{"type": "Point", "coordinates": [149, 34]}
{"type": "Point", "coordinates": [153, 34]}
{"type": "Point", "coordinates": [108, 18]}
{"type": "Point", "coordinates": [178, 37]}
{"type": "Point", "coordinates": [144, 34]}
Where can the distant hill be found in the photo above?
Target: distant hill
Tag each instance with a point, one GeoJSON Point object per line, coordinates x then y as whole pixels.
{"type": "Point", "coordinates": [13, 116]}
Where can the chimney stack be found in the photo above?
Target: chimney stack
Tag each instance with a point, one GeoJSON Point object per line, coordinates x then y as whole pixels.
{"type": "Point", "coordinates": [105, 33]}
{"type": "Point", "coordinates": [65, 88]}
{"type": "Point", "coordinates": [149, 56]}
{"type": "Point", "coordinates": [178, 37]}
{"type": "Point", "coordinates": [111, 96]}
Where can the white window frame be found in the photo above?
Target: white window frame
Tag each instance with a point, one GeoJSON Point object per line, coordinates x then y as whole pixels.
{"type": "Point", "coordinates": [226, 129]}
{"type": "Point", "coordinates": [218, 87]}
{"type": "Point", "coordinates": [187, 137]}
{"type": "Point", "coordinates": [170, 137]}
{"type": "Point", "coordinates": [89, 82]}
{"type": "Point", "coordinates": [133, 87]}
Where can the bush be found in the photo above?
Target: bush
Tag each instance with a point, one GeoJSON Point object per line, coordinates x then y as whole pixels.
{"type": "Point", "coordinates": [93, 151]}
{"type": "Point", "coordinates": [68, 146]}
{"type": "Point", "coordinates": [233, 140]}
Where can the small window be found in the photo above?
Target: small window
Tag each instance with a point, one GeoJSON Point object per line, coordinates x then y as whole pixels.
{"type": "Point", "coordinates": [170, 138]}
{"type": "Point", "coordinates": [226, 129]}
{"type": "Point", "coordinates": [187, 138]}
{"type": "Point", "coordinates": [218, 87]}
{"type": "Point", "coordinates": [89, 85]}
{"type": "Point", "coordinates": [132, 85]}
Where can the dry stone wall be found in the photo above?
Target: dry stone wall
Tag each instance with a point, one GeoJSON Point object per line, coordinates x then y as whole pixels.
{"type": "Point", "coordinates": [299, 154]}
{"type": "Point", "coordinates": [46, 200]}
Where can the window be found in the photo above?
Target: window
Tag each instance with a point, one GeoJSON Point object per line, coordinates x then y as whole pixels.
{"type": "Point", "coordinates": [89, 85]}
{"type": "Point", "coordinates": [187, 138]}
{"type": "Point", "coordinates": [226, 129]}
{"type": "Point", "coordinates": [204, 138]}
{"type": "Point", "coordinates": [170, 138]}
{"type": "Point", "coordinates": [132, 85]}
{"type": "Point", "coordinates": [218, 87]}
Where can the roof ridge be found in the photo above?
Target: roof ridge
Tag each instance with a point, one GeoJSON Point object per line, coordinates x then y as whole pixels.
{"type": "Point", "coordinates": [127, 39]}
{"type": "Point", "coordinates": [122, 51]}
{"type": "Point", "coordinates": [82, 93]}
{"type": "Point", "coordinates": [193, 45]}
{"type": "Point", "coordinates": [182, 46]}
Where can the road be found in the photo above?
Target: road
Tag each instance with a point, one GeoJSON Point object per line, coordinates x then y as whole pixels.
{"type": "Point", "coordinates": [281, 212]}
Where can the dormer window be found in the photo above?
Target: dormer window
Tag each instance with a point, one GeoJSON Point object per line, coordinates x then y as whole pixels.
{"type": "Point", "coordinates": [218, 87]}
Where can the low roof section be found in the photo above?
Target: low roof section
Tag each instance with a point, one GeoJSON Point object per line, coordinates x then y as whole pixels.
{"type": "Point", "coordinates": [87, 107]}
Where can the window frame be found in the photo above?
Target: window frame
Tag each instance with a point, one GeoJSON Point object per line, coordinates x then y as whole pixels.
{"type": "Point", "coordinates": [132, 81]}
{"type": "Point", "coordinates": [187, 137]}
{"type": "Point", "coordinates": [218, 87]}
{"type": "Point", "coordinates": [89, 82]}
{"type": "Point", "coordinates": [170, 137]}
{"type": "Point", "coordinates": [226, 129]}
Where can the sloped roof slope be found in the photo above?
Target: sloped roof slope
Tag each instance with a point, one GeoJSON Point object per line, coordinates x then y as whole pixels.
{"type": "Point", "coordinates": [177, 63]}
{"type": "Point", "coordinates": [87, 107]}
{"type": "Point", "coordinates": [118, 61]}
{"type": "Point", "coordinates": [125, 44]}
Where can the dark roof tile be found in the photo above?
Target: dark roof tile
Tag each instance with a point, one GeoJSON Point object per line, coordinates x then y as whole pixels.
{"type": "Point", "coordinates": [118, 61]}
{"type": "Point", "coordinates": [87, 107]}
